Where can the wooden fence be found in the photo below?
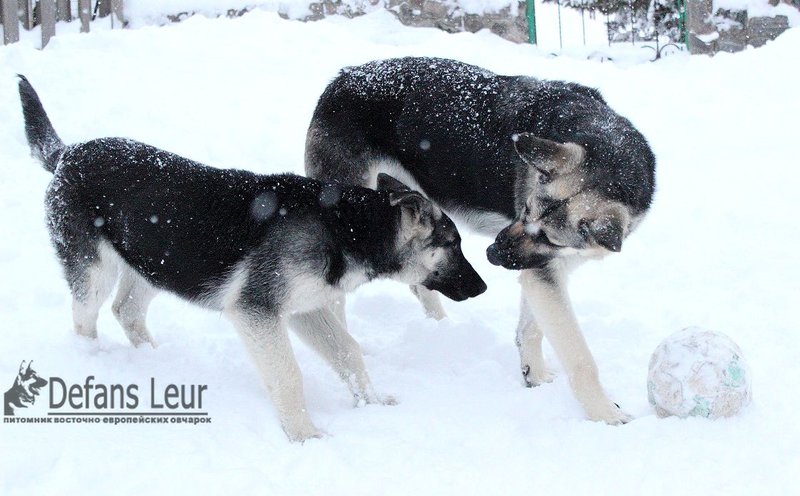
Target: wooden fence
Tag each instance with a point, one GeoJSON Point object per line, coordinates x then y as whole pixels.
{"type": "Point", "coordinates": [45, 13]}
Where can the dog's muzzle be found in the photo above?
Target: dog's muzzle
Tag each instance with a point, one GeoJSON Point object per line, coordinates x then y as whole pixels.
{"type": "Point", "coordinates": [459, 284]}
{"type": "Point", "coordinates": [520, 246]}
{"type": "Point", "coordinates": [493, 255]}
{"type": "Point", "coordinates": [502, 258]}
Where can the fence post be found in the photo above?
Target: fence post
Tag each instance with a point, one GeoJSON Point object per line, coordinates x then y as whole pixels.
{"type": "Point", "coordinates": [683, 35]}
{"type": "Point", "coordinates": [47, 17]}
{"type": "Point", "coordinates": [560, 36]}
{"type": "Point", "coordinates": [64, 10]}
{"type": "Point", "coordinates": [85, 14]}
{"type": "Point", "coordinates": [102, 8]}
{"type": "Point", "coordinates": [10, 22]}
{"type": "Point", "coordinates": [531, 11]}
{"type": "Point", "coordinates": [117, 11]}
{"type": "Point", "coordinates": [26, 7]}
{"type": "Point", "coordinates": [700, 31]}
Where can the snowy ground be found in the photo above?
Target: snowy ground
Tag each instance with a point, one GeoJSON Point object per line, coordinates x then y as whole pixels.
{"type": "Point", "coordinates": [717, 251]}
{"type": "Point", "coordinates": [579, 35]}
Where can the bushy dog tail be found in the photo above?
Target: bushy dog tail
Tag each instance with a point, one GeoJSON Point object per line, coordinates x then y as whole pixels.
{"type": "Point", "coordinates": [45, 144]}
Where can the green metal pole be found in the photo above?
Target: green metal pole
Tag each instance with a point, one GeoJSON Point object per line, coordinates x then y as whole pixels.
{"type": "Point", "coordinates": [682, 22]}
{"type": "Point", "coordinates": [531, 21]}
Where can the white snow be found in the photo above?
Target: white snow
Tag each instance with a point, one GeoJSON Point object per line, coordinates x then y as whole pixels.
{"type": "Point", "coordinates": [154, 10]}
{"type": "Point", "coordinates": [708, 38]}
{"type": "Point", "coordinates": [718, 250]}
{"type": "Point", "coordinates": [146, 12]}
{"type": "Point", "coordinates": [760, 8]}
{"type": "Point", "coordinates": [578, 35]}
{"type": "Point", "coordinates": [484, 6]}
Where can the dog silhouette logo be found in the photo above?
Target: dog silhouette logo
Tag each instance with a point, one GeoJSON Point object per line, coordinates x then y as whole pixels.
{"type": "Point", "coordinates": [25, 389]}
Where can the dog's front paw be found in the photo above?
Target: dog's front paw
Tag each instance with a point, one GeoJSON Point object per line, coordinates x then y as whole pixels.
{"type": "Point", "coordinates": [535, 376]}
{"type": "Point", "coordinates": [436, 313]}
{"type": "Point", "coordinates": [387, 400]}
{"type": "Point", "coordinates": [362, 400]}
{"type": "Point", "coordinates": [611, 414]}
{"type": "Point", "coordinates": [304, 433]}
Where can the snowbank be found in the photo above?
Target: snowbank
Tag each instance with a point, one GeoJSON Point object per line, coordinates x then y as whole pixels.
{"type": "Point", "coordinates": [485, 6]}
{"type": "Point", "coordinates": [760, 8]}
{"type": "Point", "coordinates": [147, 12]}
{"type": "Point", "coordinates": [141, 12]}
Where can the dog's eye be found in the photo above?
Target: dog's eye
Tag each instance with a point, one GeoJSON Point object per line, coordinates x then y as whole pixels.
{"type": "Point", "coordinates": [583, 229]}
{"type": "Point", "coordinates": [544, 177]}
{"type": "Point", "coordinates": [551, 206]}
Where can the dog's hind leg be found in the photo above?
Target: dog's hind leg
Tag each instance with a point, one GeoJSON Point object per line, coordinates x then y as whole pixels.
{"type": "Point", "coordinates": [89, 263]}
{"type": "Point", "coordinates": [529, 342]}
{"type": "Point", "coordinates": [430, 301]}
{"type": "Point", "coordinates": [130, 306]}
{"type": "Point", "coordinates": [267, 342]}
{"type": "Point", "coordinates": [546, 294]}
{"type": "Point", "coordinates": [324, 333]}
{"type": "Point", "coordinates": [91, 284]}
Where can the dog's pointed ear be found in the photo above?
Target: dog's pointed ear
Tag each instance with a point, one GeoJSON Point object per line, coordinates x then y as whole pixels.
{"type": "Point", "coordinates": [399, 194]}
{"type": "Point", "coordinates": [412, 203]}
{"type": "Point", "coordinates": [388, 183]}
{"type": "Point", "coordinates": [29, 366]}
{"type": "Point", "coordinates": [609, 236]}
{"type": "Point", "coordinates": [546, 155]}
{"type": "Point", "coordinates": [22, 368]}
{"type": "Point", "coordinates": [415, 207]}
{"type": "Point", "coordinates": [606, 231]}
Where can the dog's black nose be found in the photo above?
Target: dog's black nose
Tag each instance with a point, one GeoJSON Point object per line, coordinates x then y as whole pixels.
{"type": "Point", "coordinates": [493, 254]}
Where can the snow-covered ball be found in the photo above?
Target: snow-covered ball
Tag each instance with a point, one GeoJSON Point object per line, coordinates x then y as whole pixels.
{"type": "Point", "coordinates": [698, 373]}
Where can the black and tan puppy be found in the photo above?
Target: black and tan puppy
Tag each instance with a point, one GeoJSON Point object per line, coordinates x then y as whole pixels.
{"type": "Point", "coordinates": [268, 251]}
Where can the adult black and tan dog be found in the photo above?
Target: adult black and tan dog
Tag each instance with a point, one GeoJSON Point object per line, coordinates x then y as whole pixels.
{"type": "Point", "coordinates": [268, 251]}
{"type": "Point", "coordinates": [546, 166]}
